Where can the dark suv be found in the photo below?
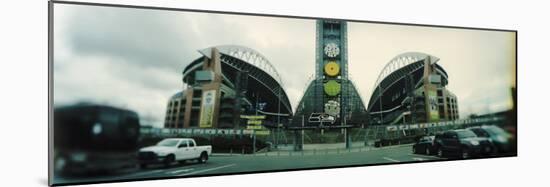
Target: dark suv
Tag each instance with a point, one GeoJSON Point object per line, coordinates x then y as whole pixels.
{"type": "Point", "coordinates": [462, 143]}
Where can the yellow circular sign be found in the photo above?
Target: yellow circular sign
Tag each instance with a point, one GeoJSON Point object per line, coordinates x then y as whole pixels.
{"type": "Point", "coordinates": [332, 68]}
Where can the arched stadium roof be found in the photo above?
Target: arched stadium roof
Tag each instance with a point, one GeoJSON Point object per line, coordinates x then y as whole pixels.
{"type": "Point", "coordinates": [248, 55]}
{"type": "Point", "coordinates": [243, 58]}
{"type": "Point", "coordinates": [402, 60]}
{"type": "Point", "coordinates": [401, 65]}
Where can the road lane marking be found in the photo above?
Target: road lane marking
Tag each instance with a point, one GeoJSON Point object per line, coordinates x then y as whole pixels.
{"type": "Point", "coordinates": [418, 159]}
{"type": "Point", "coordinates": [145, 173]}
{"type": "Point", "coordinates": [425, 156]}
{"type": "Point", "coordinates": [179, 171]}
{"type": "Point", "coordinates": [393, 160]}
{"type": "Point", "coordinates": [211, 169]}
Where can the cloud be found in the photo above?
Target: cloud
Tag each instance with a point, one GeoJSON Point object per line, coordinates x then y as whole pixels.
{"type": "Point", "coordinates": [145, 38]}
{"type": "Point", "coordinates": [129, 58]}
{"type": "Point", "coordinates": [478, 62]}
{"type": "Point", "coordinates": [134, 58]}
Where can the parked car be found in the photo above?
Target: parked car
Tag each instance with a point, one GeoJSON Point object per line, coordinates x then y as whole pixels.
{"type": "Point", "coordinates": [321, 118]}
{"type": "Point", "coordinates": [503, 141]}
{"type": "Point", "coordinates": [424, 145]}
{"type": "Point", "coordinates": [462, 143]}
{"type": "Point", "coordinates": [171, 150]}
{"type": "Point", "coordinates": [93, 138]}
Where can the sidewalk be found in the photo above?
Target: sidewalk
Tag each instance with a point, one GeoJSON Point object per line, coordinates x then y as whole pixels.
{"type": "Point", "coordinates": [314, 149]}
{"type": "Point", "coordinates": [342, 145]}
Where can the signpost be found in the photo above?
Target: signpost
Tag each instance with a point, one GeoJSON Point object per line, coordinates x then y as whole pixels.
{"type": "Point", "coordinates": [254, 122]}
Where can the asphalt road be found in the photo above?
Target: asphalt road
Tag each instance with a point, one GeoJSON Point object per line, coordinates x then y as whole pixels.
{"type": "Point", "coordinates": [225, 163]}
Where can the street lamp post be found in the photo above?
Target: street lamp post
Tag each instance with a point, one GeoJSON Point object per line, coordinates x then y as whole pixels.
{"type": "Point", "coordinates": [366, 134]}
{"type": "Point", "coordinates": [302, 132]}
{"type": "Point", "coordinates": [254, 142]}
{"type": "Point", "coordinates": [380, 96]}
{"type": "Point", "coordinates": [278, 117]}
{"type": "Point", "coordinates": [257, 103]}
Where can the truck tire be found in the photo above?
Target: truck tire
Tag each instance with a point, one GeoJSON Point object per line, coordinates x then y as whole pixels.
{"type": "Point", "coordinates": [440, 152]}
{"type": "Point", "coordinates": [169, 159]}
{"type": "Point", "coordinates": [203, 158]}
{"type": "Point", "coordinates": [464, 153]}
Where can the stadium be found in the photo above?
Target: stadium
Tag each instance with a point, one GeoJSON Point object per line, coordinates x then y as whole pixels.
{"type": "Point", "coordinates": [226, 82]}
{"type": "Point", "coordinates": [411, 88]}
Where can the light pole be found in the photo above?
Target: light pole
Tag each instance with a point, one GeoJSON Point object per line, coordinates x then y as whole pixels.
{"type": "Point", "coordinates": [347, 137]}
{"type": "Point", "coordinates": [302, 132]}
{"type": "Point", "coordinates": [254, 142]}
{"type": "Point", "coordinates": [257, 104]}
{"type": "Point", "coordinates": [278, 117]}
{"type": "Point", "coordinates": [380, 96]}
{"type": "Point", "coordinates": [322, 128]}
{"type": "Point", "coordinates": [366, 134]}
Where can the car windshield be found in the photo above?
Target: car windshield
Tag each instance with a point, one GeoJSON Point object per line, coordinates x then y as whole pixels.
{"type": "Point", "coordinates": [168, 143]}
{"type": "Point", "coordinates": [466, 134]}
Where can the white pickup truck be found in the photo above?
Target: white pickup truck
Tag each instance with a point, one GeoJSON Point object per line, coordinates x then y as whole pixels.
{"type": "Point", "coordinates": [171, 150]}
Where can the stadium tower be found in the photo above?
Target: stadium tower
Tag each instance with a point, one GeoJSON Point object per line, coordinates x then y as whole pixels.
{"type": "Point", "coordinates": [331, 92]}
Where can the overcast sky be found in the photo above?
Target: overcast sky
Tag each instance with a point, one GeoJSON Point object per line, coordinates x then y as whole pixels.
{"type": "Point", "coordinates": [133, 58]}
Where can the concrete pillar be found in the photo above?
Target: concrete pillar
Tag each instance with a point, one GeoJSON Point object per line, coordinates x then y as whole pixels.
{"type": "Point", "coordinates": [213, 64]}
{"type": "Point", "coordinates": [188, 106]}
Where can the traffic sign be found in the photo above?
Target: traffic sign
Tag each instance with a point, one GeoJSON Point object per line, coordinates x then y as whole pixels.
{"type": "Point", "coordinates": [254, 127]}
{"type": "Point", "coordinates": [257, 117]}
{"type": "Point", "coordinates": [254, 122]}
{"type": "Point", "coordinates": [262, 132]}
{"type": "Point", "coordinates": [261, 106]}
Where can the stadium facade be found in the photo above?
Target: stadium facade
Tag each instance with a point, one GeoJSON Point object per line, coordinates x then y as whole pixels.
{"type": "Point", "coordinates": [226, 82]}
{"type": "Point", "coordinates": [229, 81]}
{"type": "Point", "coordinates": [412, 88]}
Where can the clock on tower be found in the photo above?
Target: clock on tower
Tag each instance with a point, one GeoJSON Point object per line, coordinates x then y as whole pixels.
{"type": "Point", "coordinates": [332, 50]}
